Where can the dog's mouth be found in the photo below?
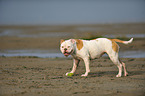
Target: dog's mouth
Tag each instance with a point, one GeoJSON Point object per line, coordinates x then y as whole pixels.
{"type": "Point", "coordinates": [67, 53]}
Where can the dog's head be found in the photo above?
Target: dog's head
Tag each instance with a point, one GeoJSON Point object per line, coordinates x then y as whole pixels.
{"type": "Point", "coordinates": [67, 46]}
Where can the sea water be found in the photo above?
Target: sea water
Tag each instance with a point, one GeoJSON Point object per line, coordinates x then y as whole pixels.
{"type": "Point", "coordinates": [55, 53]}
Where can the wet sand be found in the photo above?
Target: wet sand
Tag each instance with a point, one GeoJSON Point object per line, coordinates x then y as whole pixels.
{"type": "Point", "coordinates": [37, 37]}
{"type": "Point", "coordinates": [31, 76]}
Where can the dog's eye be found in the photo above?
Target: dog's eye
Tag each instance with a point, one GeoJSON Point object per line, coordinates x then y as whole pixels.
{"type": "Point", "coordinates": [62, 46]}
{"type": "Point", "coordinates": [68, 47]}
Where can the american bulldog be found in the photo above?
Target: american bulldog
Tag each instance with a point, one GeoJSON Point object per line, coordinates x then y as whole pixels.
{"type": "Point", "coordinates": [92, 49]}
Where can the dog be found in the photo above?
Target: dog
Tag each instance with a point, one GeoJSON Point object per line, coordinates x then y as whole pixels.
{"type": "Point", "coordinates": [87, 50]}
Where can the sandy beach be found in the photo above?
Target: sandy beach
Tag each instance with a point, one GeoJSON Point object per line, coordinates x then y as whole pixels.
{"type": "Point", "coordinates": [33, 76]}
{"type": "Point", "coordinates": [43, 76]}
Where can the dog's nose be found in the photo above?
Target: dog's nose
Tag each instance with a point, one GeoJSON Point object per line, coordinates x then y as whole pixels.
{"type": "Point", "coordinates": [65, 49]}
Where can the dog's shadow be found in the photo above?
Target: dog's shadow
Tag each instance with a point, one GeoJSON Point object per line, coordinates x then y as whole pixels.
{"type": "Point", "coordinates": [114, 73]}
{"type": "Point", "coordinates": [132, 73]}
{"type": "Point", "coordinates": [102, 73]}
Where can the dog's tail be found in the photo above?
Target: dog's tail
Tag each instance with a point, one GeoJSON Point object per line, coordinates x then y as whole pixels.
{"type": "Point", "coordinates": [124, 42]}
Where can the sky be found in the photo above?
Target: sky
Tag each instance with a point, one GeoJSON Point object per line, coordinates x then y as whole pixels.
{"type": "Point", "coordinates": [58, 12]}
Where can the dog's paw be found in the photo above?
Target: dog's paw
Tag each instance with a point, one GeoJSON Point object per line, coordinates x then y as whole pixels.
{"type": "Point", "coordinates": [66, 73]}
{"type": "Point", "coordinates": [84, 75]}
{"type": "Point", "coordinates": [118, 75]}
{"type": "Point", "coordinates": [126, 74]}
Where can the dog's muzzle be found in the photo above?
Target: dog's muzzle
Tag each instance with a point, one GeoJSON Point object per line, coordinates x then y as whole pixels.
{"type": "Point", "coordinates": [67, 53]}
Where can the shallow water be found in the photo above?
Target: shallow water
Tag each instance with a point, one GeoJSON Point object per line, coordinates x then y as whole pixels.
{"type": "Point", "coordinates": [37, 53]}
{"type": "Point", "coordinates": [132, 54]}
{"type": "Point", "coordinates": [22, 33]}
{"type": "Point", "coordinates": [58, 54]}
{"type": "Point", "coordinates": [126, 35]}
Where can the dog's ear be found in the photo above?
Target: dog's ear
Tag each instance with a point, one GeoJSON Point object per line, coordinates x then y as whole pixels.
{"type": "Point", "coordinates": [61, 41]}
{"type": "Point", "coordinates": [72, 40]}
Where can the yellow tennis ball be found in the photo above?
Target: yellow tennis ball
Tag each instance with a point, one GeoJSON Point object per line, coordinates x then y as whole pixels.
{"type": "Point", "coordinates": [70, 74]}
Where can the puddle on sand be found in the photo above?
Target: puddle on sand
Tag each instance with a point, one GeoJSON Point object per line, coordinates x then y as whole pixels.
{"type": "Point", "coordinates": [58, 54]}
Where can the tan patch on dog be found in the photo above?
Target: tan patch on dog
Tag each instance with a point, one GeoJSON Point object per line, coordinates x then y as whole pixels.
{"type": "Point", "coordinates": [114, 45]}
{"type": "Point", "coordinates": [79, 44]}
{"type": "Point", "coordinates": [95, 39]}
{"type": "Point", "coordinates": [61, 41]}
{"type": "Point", "coordinates": [117, 40]}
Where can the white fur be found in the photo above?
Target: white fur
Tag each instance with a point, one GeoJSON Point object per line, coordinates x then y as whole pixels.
{"type": "Point", "coordinates": [92, 49]}
{"type": "Point", "coordinates": [127, 42]}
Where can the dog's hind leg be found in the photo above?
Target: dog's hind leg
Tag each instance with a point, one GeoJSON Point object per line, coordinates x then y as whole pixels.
{"type": "Point", "coordinates": [112, 50]}
{"type": "Point", "coordinates": [125, 72]}
{"type": "Point", "coordinates": [119, 65]}
{"type": "Point", "coordinates": [114, 57]}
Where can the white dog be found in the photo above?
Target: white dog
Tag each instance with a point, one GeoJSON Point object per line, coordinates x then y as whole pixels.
{"type": "Point", "coordinates": [92, 49]}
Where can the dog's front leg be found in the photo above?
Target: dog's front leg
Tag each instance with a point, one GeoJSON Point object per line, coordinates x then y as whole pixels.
{"type": "Point", "coordinates": [75, 64]}
{"type": "Point", "coordinates": [87, 63]}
